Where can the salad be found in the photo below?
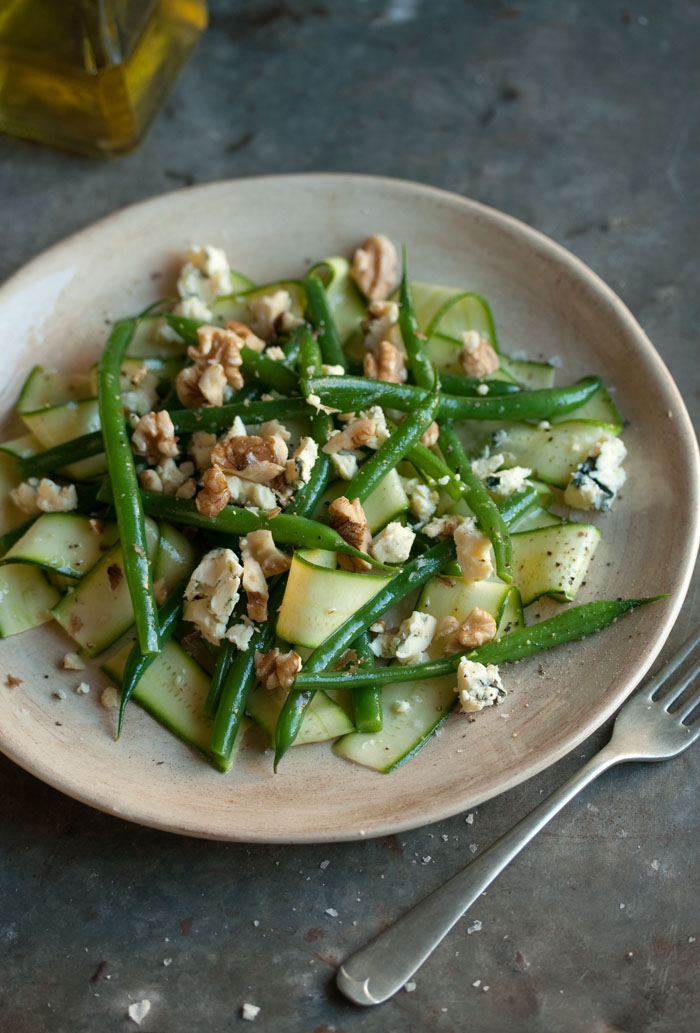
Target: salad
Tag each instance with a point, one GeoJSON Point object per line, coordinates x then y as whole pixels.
{"type": "Point", "coordinates": [322, 506]}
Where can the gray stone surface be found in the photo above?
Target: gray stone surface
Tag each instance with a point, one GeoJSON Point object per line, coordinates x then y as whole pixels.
{"type": "Point", "coordinates": [582, 120]}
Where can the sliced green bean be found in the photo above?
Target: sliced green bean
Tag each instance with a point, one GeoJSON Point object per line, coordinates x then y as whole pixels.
{"type": "Point", "coordinates": [479, 501]}
{"type": "Point", "coordinates": [240, 679]}
{"type": "Point", "coordinates": [122, 474]}
{"type": "Point", "coordinates": [414, 574]}
{"type": "Point", "coordinates": [320, 316]}
{"type": "Point", "coordinates": [137, 663]}
{"type": "Point", "coordinates": [574, 623]}
{"type": "Point", "coordinates": [432, 467]}
{"type": "Point", "coordinates": [351, 393]}
{"type": "Point", "coordinates": [419, 364]}
{"type": "Point", "coordinates": [517, 504]}
{"type": "Point", "coordinates": [366, 699]}
{"type": "Point", "coordinates": [308, 495]}
{"type": "Point", "coordinates": [220, 417]}
{"type": "Point", "coordinates": [454, 384]}
{"type": "Point", "coordinates": [285, 529]}
{"type": "Point", "coordinates": [67, 452]}
{"type": "Point", "coordinates": [270, 372]}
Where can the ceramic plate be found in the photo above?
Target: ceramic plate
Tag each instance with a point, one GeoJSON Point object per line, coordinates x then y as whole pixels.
{"type": "Point", "coordinates": [545, 303]}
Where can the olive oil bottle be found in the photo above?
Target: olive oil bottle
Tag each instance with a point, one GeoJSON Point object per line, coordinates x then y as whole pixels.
{"type": "Point", "coordinates": [89, 75]}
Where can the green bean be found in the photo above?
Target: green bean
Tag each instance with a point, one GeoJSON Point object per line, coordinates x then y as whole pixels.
{"type": "Point", "coordinates": [366, 699]}
{"type": "Point", "coordinates": [321, 318]}
{"type": "Point", "coordinates": [272, 373]}
{"type": "Point", "coordinates": [240, 679]}
{"type": "Point", "coordinates": [292, 346]}
{"type": "Point", "coordinates": [479, 501]}
{"type": "Point", "coordinates": [220, 417]}
{"type": "Point", "coordinates": [414, 574]}
{"type": "Point", "coordinates": [289, 530]}
{"type": "Point", "coordinates": [392, 451]}
{"type": "Point", "coordinates": [122, 474]}
{"type": "Point", "coordinates": [454, 384]}
{"type": "Point", "coordinates": [224, 658]}
{"type": "Point", "coordinates": [137, 663]}
{"type": "Point", "coordinates": [519, 503]}
{"type": "Point", "coordinates": [351, 393]}
{"type": "Point", "coordinates": [574, 623]}
{"type": "Point", "coordinates": [436, 470]}
{"type": "Point", "coordinates": [421, 367]}
{"type": "Point", "coordinates": [53, 459]}
{"type": "Point", "coordinates": [308, 495]}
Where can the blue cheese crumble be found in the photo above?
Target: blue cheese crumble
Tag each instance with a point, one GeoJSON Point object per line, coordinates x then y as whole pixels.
{"type": "Point", "coordinates": [596, 481]}
{"type": "Point", "coordinates": [478, 685]}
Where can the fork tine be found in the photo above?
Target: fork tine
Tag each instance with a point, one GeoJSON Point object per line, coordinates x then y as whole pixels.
{"type": "Point", "coordinates": [653, 686]}
{"type": "Point", "coordinates": [691, 703]}
{"type": "Point", "coordinates": [679, 687]}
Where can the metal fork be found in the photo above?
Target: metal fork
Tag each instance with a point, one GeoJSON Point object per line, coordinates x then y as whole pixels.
{"type": "Point", "coordinates": [645, 729]}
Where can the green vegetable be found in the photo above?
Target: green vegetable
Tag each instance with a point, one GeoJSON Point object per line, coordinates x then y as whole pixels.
{"type": "Point", "coordinates": [414, 574]}
{"type": "Point", "coordinates": [420, 366]}
{"type": "Point", "coordinates": [479, 501]}
{"type": "Point", "coordinates": [572, 624]}
{"type": "Point", "coordinates": [366, 699]}
{"type": "Point", "coordinates": [321, 318]}
{"type": "Point", "coordinates": [350, 393]}
{"type": "Point", "coordinates": [127, 500]}
{"type": "Point", "coordinates": [169, 616]}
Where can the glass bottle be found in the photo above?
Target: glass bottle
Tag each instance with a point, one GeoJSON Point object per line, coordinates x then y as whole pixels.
{"type": "Point", "coordinates": [89, 75]}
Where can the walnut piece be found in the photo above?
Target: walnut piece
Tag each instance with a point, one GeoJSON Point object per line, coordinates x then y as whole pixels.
{"type": "Point", "coordinates": [197, 386]}
{"type": "Point", "coordinates": [271, 559]}
{"type": "Point", "coordinates": [44, 496]}
{"type": "Point", "coordinates": [170, 479]}
{"type": "Point", "coordinates": [154, 437]}
{"type": "Point", "coordinates": [378, 323]}
{"type": "Point", "coordinates": [477, 357]}
{"type": "Point", "coordinates": [374, 267]}
{"type": "Point", "coordinates": [430, 436]}
{"type": "Point", "coordinates": [355, 435]}
{"type": "Point", "coordinates": [215, 494]}
{"type": "Point", "coordinates": [250, 457]}
{"type": "Point", "coordinates": [452, 637]}
{"type": "Point", "coordinates": [249, 339]}
{"type": "Point", "coordinates": [272, 313]}
{"type": "Point", "coordinates": [473, 551]}
{"type": "Point", "coordinates": [387, 363]}
{"type": "Point", "coordinates": [217, 345]}
{"type": "Point", "coordinates": [349, 520]}
{"type": "Point", "coordinates": [254, 583]}
{"type": "Point", "coordinates": [277, 670]}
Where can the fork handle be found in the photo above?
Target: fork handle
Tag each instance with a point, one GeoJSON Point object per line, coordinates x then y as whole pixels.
{"type": "Point", "coordinates": [377, 971]}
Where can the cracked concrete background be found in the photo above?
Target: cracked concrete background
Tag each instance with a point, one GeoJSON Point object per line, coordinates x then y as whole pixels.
{"type": "Point", "coordinates": [582, 120]}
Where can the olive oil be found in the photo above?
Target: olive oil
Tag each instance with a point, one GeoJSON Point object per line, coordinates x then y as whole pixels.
{"type": "Point", "coordinates": [89, 75]}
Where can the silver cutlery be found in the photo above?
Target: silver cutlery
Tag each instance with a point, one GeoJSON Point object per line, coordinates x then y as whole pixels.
{"type": "Point", "coordinates": [647, 728]}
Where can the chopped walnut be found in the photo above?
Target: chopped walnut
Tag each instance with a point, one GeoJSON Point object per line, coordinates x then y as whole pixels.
{"type": "Point", "coordinates": [170, 479]}
{"type": "Point", "coordinates": [374, 267]}
{"type": "Point", "coordinates": [219, 346]}
{"type": "Point", "coordinates": [272, 313]}
{"type": "Point", "coordinates": [349, 520]}
{"type": "Point", "coordinates": [355, 435]}
{"type": "Point", "coordinates": [215, 494]}
{"type": "Point", "coordinates": [430, 436]}
{"type": "Point", "coordinates": [477, 628]}
{"type": "Point", "coordinates": [477, 357]}
{"type": "Point", "coordinates": [277, 670]}
{"type": "Point", "coordinates": [378, 323]}
{"type": "Point", "coordinates": [197, 386]}
{"type": "Point", "coordinates": [250, 339]}
{"type": "Point", "coordinates": [271, 559]}
{"type": "Point", "coordinates": [387, 363]}
{"type": "Point", "coordinates": [254, 583]}
{"type": "Point", "coordinates": [250, 457]}
{"type": "Point", "coordinates": [44, 496]}
{"type": "Point", "coordinates": [154, 437]}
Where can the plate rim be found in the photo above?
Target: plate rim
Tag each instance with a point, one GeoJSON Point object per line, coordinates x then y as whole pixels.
{"type": "Point", "coordinates": [596, 285]}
